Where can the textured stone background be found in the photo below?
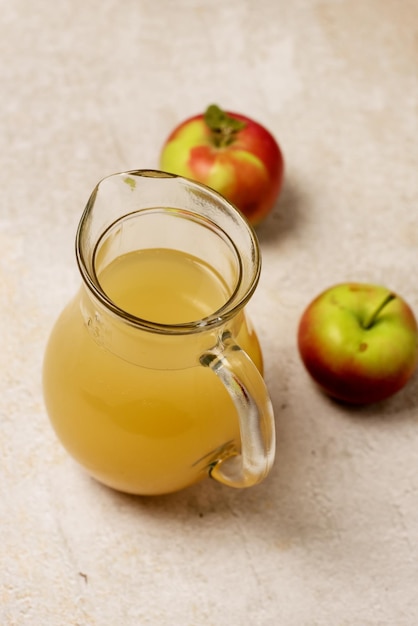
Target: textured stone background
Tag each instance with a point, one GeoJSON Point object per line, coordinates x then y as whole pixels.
{"type": "Point", "coordinates": [91, 88]}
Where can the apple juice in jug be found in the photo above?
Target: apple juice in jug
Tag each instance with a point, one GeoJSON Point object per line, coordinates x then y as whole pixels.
{"type": "Point", "coordinates": [125, 404]}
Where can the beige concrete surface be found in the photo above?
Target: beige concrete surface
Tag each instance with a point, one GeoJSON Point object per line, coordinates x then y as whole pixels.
{"type": "Point", "coordinates": [91, 88]}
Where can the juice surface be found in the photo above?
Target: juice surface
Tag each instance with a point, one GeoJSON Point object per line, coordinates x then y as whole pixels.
{"type": "Point", "coordinates": [143, 430]}
{"type": "Point", "coordinates": [165, 286]}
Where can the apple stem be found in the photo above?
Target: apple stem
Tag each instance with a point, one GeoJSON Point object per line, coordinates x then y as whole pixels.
{"type": "Point", "coordinates": [372, 318]}
{"type": "Point", "coordinates": [223, 127]}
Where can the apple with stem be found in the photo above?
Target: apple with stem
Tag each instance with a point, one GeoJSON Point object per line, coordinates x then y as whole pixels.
{"type": "Point", "coordinates": [231, 153]}
{"type": "Point", "coordinates": [359, 342]}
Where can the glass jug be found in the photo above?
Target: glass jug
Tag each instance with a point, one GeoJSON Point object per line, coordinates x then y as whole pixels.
{"type": "Point", "coordinates": [152, 373]}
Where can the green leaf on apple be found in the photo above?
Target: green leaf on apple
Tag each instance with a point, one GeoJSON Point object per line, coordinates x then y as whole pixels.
{"type": "Point", "coordinates": [224, 127]}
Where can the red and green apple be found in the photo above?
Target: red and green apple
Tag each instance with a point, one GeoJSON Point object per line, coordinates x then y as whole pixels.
{"type": "Point", "coordinates": [359, 342]}
{"type": "Point", "coordinates": [231, 153]}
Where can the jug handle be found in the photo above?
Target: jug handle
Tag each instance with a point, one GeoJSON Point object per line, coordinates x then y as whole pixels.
{"type": "Point", "coordinates": [248, 391]}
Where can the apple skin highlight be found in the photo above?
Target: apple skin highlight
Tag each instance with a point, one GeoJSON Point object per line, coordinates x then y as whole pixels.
{"type": "Point", "coordinates": [349, 361]}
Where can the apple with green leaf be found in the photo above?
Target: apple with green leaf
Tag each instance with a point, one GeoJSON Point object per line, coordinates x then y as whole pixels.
{"type": "Point", "coordinates": [359, 342]}
{"type": "Point", "coordinates": [230, 153]}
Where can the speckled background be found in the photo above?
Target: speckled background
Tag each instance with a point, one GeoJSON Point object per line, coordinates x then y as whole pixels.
{"type": "Point", "coordinates": [91, 88]}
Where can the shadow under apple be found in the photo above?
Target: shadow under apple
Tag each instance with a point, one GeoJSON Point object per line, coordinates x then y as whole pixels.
{"type": "Point", "coordinates": [286, 215]}
{"type": "Point", "coordinates": [401, 406]}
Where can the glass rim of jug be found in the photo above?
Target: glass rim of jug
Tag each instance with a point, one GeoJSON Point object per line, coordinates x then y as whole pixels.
{"type": "Point", "coordinates": [235, 301]}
